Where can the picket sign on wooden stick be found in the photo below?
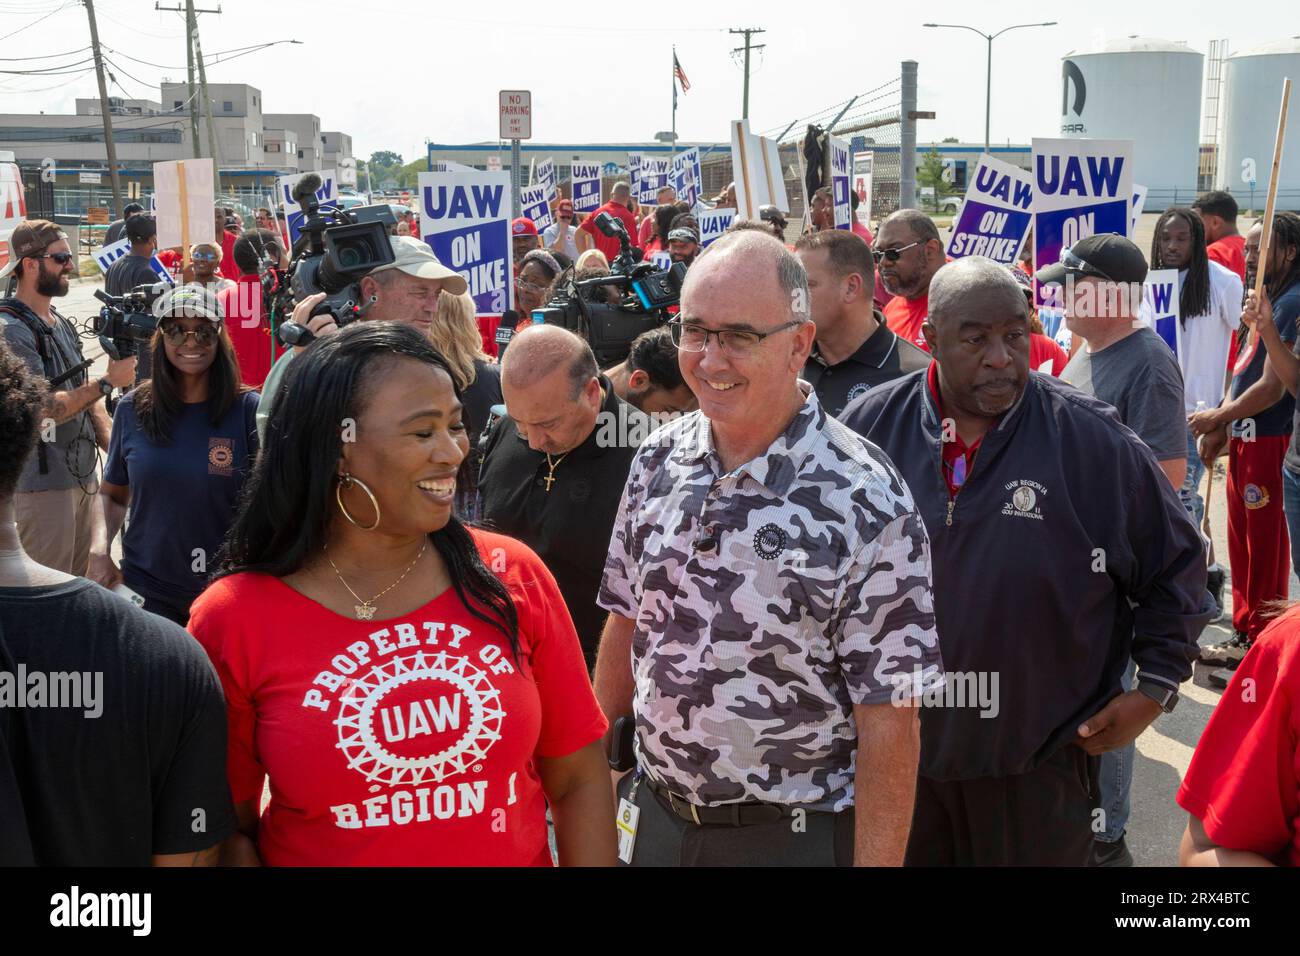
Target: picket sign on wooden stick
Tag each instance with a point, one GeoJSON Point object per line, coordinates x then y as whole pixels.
{"type": "Point", "coordinates": [1266, 238]}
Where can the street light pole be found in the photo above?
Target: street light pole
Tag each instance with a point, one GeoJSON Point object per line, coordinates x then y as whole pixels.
{"type": "Point", "coordinates": [988, 81]}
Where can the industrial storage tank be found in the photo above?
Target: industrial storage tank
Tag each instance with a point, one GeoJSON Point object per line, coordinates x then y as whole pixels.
{"type": "Point", "coordinates": [1146, 90]}
{"type": "Point", "coordinates": [1252, 95]}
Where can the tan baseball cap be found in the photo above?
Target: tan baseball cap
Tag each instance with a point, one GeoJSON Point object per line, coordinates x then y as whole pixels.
{"type": "Point", "coordinates": [30, 237]}
{"type": "Point", "coordinates": [416, 258]}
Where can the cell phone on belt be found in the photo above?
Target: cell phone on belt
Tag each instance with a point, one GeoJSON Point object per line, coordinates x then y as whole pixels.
{"type": "Point", "coordinates": [621, 745]}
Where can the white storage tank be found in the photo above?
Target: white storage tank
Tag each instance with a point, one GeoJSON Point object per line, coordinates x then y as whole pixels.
{"type": "Point", "coordinates": [1146, 90]}
{"type": "Point", "coordinates": [1252, 94]}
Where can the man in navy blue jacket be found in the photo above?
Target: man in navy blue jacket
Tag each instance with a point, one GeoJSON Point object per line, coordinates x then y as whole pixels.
{"type": "Point", "coordinates": [1059, 550]}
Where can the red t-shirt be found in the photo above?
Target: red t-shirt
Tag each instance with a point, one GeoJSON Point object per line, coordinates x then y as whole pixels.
{"type": "Point", "coordinates": [411, 741]}
{"type": "Point", "coordinates": [1244, 779]}
{"type": "Point", "coordinates": [1229, 252]}
{"type": "Point", "coordinates": [249, 329]}
{"type": "Point", "coordinates": [227, 266]}
{"type": "Point", "coordinates": [905, 317]}
{"type": "Point", "coordinates": [859, 228]}
{"type": "Point", "coordinates": [1043, 350]}
{"type": "Point", "coordinates": [609, 245]}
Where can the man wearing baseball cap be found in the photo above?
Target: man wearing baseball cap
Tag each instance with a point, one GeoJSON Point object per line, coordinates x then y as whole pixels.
{"type": "Point", "coordinates": [53, 498]}
{"type": "Point", "coordinates": [1125, 364]}
{"type": "Point", "coordinates": [405, 290]}
{"type": "Point", "coordinates": [523, 240]}
{"type": "Point", "coordinates": [559, 236]}
{"type": "Point", "coordinates": [116, 228]}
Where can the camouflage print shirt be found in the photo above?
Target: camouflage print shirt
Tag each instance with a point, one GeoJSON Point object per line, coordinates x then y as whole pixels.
{"type": "Point", "coordinates": [768, 601]}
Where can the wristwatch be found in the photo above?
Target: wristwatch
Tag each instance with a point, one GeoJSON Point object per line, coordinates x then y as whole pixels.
{"type": "Point", "coordinates": [105, 387]}
{"type": "Point", "coordinates": [1166, 697]}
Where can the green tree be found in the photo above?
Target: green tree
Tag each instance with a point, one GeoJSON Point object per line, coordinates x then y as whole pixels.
{"type": "Point", "coordinates": [950, 139]}
{"type": "Point", "coordinates": [931, 176]}
{"type": "Point", "coordinates": [383, 159]}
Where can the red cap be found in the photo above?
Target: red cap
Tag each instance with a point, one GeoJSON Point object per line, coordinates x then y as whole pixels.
{"type": "Point", "coordinates": [523, 227]}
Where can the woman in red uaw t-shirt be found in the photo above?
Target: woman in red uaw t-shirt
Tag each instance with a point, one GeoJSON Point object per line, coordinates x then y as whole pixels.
{"type": "Point", "coordinates": [1242, 789]}
{"type": "Point", "coordinates": [414, 691]}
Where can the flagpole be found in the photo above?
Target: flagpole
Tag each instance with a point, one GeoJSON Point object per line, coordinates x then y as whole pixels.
{"type": "Point", "coordinates": [673, 80]}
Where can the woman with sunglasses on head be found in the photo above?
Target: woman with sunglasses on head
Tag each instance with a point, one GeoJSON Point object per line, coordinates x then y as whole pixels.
{"type": "Point", "coordinates": [181, 448]}
{"type": "Point", "coordinates": [413, 689]}
{"type": "Point", "coordinates": [205, 266]}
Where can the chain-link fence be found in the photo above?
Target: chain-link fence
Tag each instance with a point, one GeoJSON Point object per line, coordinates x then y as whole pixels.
{"type": "Point", "coordinates": [871, 121]}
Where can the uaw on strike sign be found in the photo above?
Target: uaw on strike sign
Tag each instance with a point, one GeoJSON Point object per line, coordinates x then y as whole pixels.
{"type": "Point", "coordinates": [995, 215]}
{"type": "Point", "coordinates": [465, 217]}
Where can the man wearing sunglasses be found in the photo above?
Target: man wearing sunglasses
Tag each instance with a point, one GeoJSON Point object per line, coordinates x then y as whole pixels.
{"type": "Point", "coordinates": [908, 253]}
{"type": "Point", "coordinates": [53, 499]}
{"type": "Point", "coordinates": [1061, 551]}
{"type": "Point", "coordinates": [768, 583]}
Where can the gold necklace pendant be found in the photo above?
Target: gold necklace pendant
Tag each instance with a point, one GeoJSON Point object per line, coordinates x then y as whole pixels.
{"type": "Point", "coordinates": [365, 611]}
{"type": "Point", "coordinates": [551, 466]}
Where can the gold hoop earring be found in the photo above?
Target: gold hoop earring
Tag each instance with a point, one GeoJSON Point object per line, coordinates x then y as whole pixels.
{"type": "Point", "coordinates": [347, 480]}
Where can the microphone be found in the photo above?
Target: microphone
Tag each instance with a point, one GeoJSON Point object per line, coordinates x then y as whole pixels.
{"type": "Point", "coordinates": [307, 186]}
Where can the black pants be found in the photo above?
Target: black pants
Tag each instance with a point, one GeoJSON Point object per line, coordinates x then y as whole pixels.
{"type": "Point", "coordinates": [1040, 818]}
{"type": "Point", "coordinates": [665, 839]}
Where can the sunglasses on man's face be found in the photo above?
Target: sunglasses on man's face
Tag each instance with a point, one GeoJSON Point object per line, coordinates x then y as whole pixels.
{"type": "Point", "coordinates": [893, 255]}
{"type": "Point", "coordinates": [62, 258]}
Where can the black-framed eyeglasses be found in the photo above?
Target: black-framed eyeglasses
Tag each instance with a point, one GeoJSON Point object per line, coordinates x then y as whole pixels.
{"type": "Point", "coordinates": [893, 255]}
{"type": "Point", "coordinates": [62, 258]}
{"type": "Point", "coordinates": [734, 342]}
{"type": "Point", "coordinates": [204, 335]}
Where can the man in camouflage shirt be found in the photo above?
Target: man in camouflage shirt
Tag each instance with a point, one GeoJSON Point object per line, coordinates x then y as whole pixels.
{"type": "Point", "coordinates": [769, 582]}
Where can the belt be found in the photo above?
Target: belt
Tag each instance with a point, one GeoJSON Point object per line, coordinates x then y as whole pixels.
{"type": "Point", "coordinates": [746, 814]}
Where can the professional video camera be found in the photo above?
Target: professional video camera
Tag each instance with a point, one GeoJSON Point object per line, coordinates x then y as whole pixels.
{"type": "Point", "coordinates": [127, 320]}
{"type": "Point", "coordinates": [337, 247]}
{"type": "Point", "coordinates": [645, 295]}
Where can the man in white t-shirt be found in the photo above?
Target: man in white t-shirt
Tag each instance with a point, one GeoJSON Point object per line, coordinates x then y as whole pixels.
{"type": "Point", "coordinates": [559, 236]}
{"type": "Point", "coordinates": [1209, 298]}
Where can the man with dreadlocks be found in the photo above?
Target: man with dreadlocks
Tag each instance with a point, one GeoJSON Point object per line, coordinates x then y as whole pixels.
{"type": "Point", "coordinates": [1260, 412]}
{"type": "Point", "coordinates": [1209, 306]}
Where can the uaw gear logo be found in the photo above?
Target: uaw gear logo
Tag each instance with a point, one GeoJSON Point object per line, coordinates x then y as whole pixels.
{"type": "Point", "coordinates": [857, 391]}
{"type": "Point", "coordinates": [769, 541]}
{"type": "Point", "coordinates": [221, 457]}
{"type": "Point", "coordinates": [1024, 499]}
{"type": "Point", "coordinates": [1255, 496]}
{"type": "Point", "coordinates": [423, 717]}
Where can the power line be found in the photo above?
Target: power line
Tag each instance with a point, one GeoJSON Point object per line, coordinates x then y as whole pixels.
{"type": "Point", "coordinates": [36, 21]}
{"type": "Point", "coordinates": [52, 70]}
{"type": "Point", "coordinates": [48, 56]}
{"type": "Point", "coordinates": [44, 89]}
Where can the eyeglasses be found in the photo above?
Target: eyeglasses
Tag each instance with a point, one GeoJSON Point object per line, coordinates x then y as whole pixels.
{"type": "Point", "coordinates": [531, 286]}
{"type": "Point", "coordinates": [62, 258]}
{"type": "Point", "coordinates": [204, 335]}
{"type": "Point", "coordinates": [737, 343]}
{"type": "Point", "coordinates": [203, 257]}
{"type": "Point", "coordinates": [893, 255]}
{"type": "Point", "coordinates": [1075, 264]}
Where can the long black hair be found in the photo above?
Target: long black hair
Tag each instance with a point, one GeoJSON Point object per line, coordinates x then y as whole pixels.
{"type": "Point", "coordinates": [1286, 232]}
{"type": "Point", "coordinates": [286, 507]}
{"type": "Point", "coordinates": [158, 399]}
{"type": "Point", "coordinates": [1194, 299]}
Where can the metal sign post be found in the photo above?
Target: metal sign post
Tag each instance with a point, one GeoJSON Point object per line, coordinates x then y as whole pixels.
{"type": "Point", "coordinates": [516, 107]}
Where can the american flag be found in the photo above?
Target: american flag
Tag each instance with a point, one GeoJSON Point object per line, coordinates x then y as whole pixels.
{"type": "Point", "coordinates": [680, 74]}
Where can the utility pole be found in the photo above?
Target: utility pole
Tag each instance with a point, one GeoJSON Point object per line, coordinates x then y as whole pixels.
{"type": "Point", "coordinates": [194, 63]}
{"type": "Point", "coordinates": [105, 111]}
{"type": "Point", "coordinates": [748, 33]}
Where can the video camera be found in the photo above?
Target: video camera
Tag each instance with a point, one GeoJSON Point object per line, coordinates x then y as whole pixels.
{"type": "Point", "coordinates": [127, 320]}
{"type": "Point", "coordinates": [645, 295]}
{"type": "Point", "coordinates": [336, 249]}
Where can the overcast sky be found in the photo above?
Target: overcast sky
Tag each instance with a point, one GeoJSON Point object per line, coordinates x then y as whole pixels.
{"type": "Point", "coordinates": [397, 74]}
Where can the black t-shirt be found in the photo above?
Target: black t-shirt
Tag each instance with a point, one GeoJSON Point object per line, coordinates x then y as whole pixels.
{"type": "Point", "coordinates": [882, 358]}
{"type": "Point", "coordinates": [123, 276]}
{"type": "Point", "coordinates": [1277, 418]}
{"type": "Point", "coordinates": [480, 396]}
{"type": "Point", "coordinates": [569, 526]}
{"type": "Point", "coordinates": [147, 775]}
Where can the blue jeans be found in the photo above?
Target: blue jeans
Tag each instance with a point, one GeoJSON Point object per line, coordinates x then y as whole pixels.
{"type": "Point", "coordinates": [1291, 508]}
{"type": "Point", "coordinates": [1190, 492]}
{"type": "Point", "coordinates": [1115, 779]}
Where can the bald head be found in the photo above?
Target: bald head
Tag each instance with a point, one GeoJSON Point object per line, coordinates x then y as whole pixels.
{"type": "Point", "coordinates": [621, 191]}
{"type": "Point", "coordinates": [973, 279]}
{"type": "Point", "coordinates": [753, 257]}
{"type": "Point", "coordinates": [540, 350]}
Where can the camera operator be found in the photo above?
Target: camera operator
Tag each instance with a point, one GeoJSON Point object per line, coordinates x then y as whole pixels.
{"type": "Point", "coordinates": [117, 228]}
{"type": "Point", "coordinates": [554, 467]}
{"type": "Point", "coordinates": [650, 378]}
{"type": "Point", "coordinates": [405, 290]}
{"type": "Point", "coordinates": [134, 269]}
{"type": "Point", "coordinates": [53, 498]}
{"type": "Point", "coordinates": [182, 447]}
